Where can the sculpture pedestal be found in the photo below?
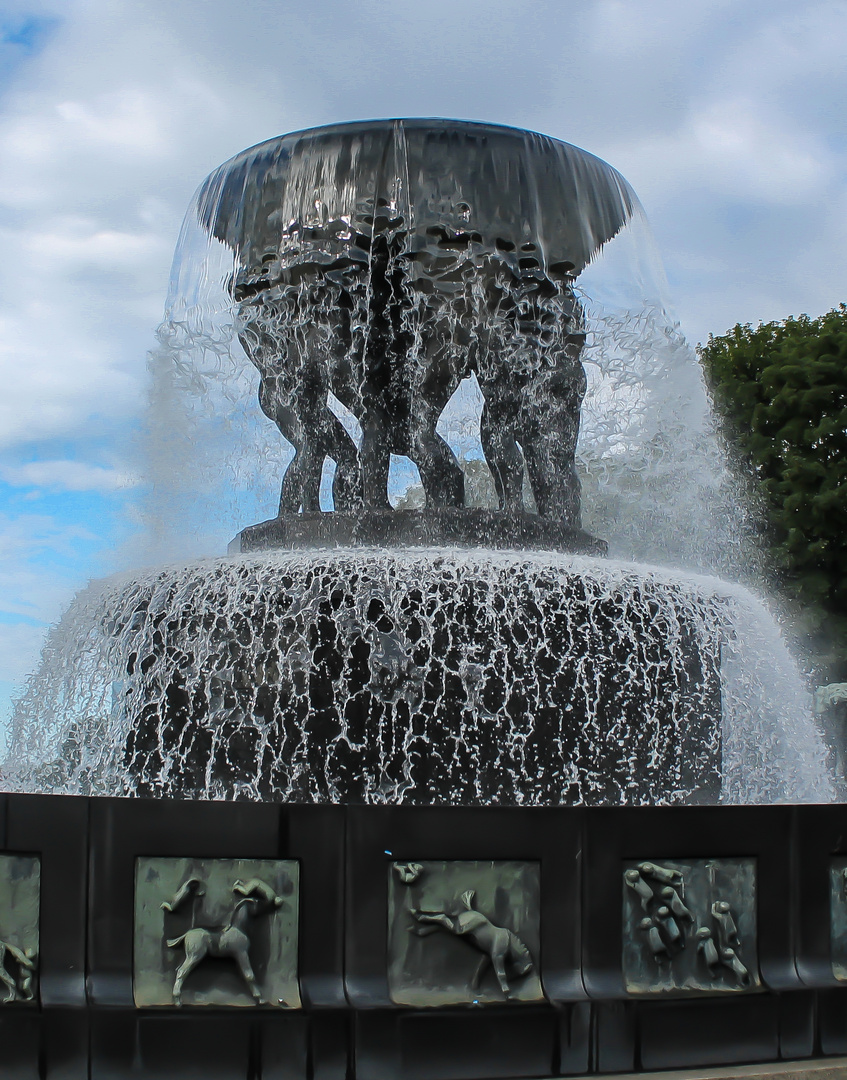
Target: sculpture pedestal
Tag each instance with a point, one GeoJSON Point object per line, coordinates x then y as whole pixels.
{"type": "Point", "coordinates": [466, 527]}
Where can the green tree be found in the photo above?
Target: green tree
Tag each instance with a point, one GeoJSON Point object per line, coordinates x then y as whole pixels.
{"type": "Point", "coordinates": [781, 391]}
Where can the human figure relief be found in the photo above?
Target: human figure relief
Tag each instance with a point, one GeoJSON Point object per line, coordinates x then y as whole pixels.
{"type": "Point", "coordinates": [19, 989]}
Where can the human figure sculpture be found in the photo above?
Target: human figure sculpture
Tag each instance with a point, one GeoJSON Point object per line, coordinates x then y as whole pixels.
{"type": "Point", "coordinates": [406, 369]}
{"type": "Point", "coordinates": [501, 948]}
{"type": "Point", "coordinates": [671, 897]}
{"type": "Point", "coordinates": [27, 975]}
{"type": "Point", "coordinates": [231, 940]}
{"type": "Point", "coordinates": [670, 930]}
{"type": "Point", "coordinates": [533, 382]}
{"type": "Point", "coordinates": [731, 959]}
{"type": "Point", "coordinates": [662, 874]}
{"type": "Point", "coordinates": [408, 873]}
{"type": "Point", "coordinates": [392, 341]}
{"type": "Point", "coordinates": [640, 887]}
{"type": "Point", "coordinates": [659, 890]}
{"type": "Point", "coordinates": [192, 887]}
{"type": "Point", "coordinates": [729, 942]}
{"type": "Point", "coordinates": [295, 333]}
{"type": "Point", "coordinates": [654, 939]}
{"type": "Point", "coordinates": [727, 930]}
{"type": "Point", "coordinates": [651, 882]}
{"type": "Point", "coordinates": [708, 950]}
{"type": "Point", "coordinates": [312, 327]}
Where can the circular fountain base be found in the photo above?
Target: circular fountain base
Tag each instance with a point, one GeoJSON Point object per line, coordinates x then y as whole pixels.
{"type": "Point", "coordinates": [415, 676]}
{"type": "Point", "coordinates": [423, 677]}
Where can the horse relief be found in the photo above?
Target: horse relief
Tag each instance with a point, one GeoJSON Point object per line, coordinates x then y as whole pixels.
{"type": "Point", "coordinates": [230, 940]}
{"type": "Point", "coordinates": [500, 947]}
{"type": "Point", "coordinates": [216, 933]}
{"type": "Point", "coordinates": [463, 932]}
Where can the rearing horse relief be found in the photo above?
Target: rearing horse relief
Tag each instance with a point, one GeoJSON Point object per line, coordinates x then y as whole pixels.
{"type": "Point", "coordinates": [501, 948]}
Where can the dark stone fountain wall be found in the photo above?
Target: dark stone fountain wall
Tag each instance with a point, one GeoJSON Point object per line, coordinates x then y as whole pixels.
{"type": "Point", "coordinates": [89, 900]}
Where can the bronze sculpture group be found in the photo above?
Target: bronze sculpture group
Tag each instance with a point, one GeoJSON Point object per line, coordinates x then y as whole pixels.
{"type": "Point", "coordinates": [667, 923]}
{"type": "Point", "coordinates": [391, 337]}
{"type": "Point", "coordinates": [383, 262]}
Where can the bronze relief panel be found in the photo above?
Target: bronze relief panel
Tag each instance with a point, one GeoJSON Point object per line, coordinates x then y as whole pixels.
{"type": "Point", "coordinates": [216, 932]}
{"type": "Point", "coordinates": [462, 932]}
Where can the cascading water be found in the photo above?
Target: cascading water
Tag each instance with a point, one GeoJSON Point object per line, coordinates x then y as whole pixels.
{"type": "Point", "coordinates": [440, 294]}
{"type": "Point", "coordinates": [235, 677]}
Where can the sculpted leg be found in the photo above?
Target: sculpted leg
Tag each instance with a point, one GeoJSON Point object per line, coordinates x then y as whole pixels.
{"type": "Point", "coordinates": [315, 433]}
{"type": "Point", "coordinates": [8, 981]}
{"type": "Point", "coordinates": [293, 393]}
{"type": "Point", "coordinates": [441, 475]}
{"type": "Point", "coordinates": [438, 918]}
{"type": "Point", "coordinates": [347, 483]}
{"type": "Point", "coordinates": [518, 956]}
{"type": "Point", "coordinates": [551, 419]}
{"type": "Point", "coordinates": [293, 491]}
{"type": "Point", "coordinates": [247, 974]}
{"type": "Point", "coordinates": [552, 471]}
{"type": "Point", "coordinates": [376, 460]}
{"type": "Point", "coordinates": [498, 960]}
{"type": "Point", "coordinates": [502, 453]}
{"type": "Point", "coordinates": [443, 362]}
{"type": "Point", "coordinates": [186, 967]}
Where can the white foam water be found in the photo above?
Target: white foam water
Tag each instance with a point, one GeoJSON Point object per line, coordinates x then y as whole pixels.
{"type": "Point", "coordinates": [510, 677]}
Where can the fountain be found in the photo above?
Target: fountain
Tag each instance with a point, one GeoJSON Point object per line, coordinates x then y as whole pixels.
{"type": "Point", "coordinates": [421, 784]}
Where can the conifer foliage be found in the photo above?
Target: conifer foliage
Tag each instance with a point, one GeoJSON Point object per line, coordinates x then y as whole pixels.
{"type": "Point", "coordinates": [781, 391]}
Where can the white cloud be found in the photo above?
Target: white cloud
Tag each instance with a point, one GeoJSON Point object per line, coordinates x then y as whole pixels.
{"type": "Point", "coordinates": [732, 148]}
{"type": "Point", "coordinates": [702, 105]}
{"type": "Point", "coordinates": [128, 120]}
{"type": "Point", "coordinates": [54, 380]}
{"type": "Point", "coordinates": [91, 197]}
{"type": "Point", "coordinates": [66, 476]}
{"type": "Point", "coordinates": [75, 243]}
{"type": "Point", "coordinates": [624, 30]}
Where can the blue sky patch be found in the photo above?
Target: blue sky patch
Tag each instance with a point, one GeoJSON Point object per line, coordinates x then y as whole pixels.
{"type": "Point", "coordinates": [21, 39]}
{"type": "Point", "coordinates": [29, 33]}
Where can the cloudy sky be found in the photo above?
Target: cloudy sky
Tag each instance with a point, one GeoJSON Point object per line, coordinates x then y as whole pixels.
{"type": "Point", "coordinates": [727, 116]}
